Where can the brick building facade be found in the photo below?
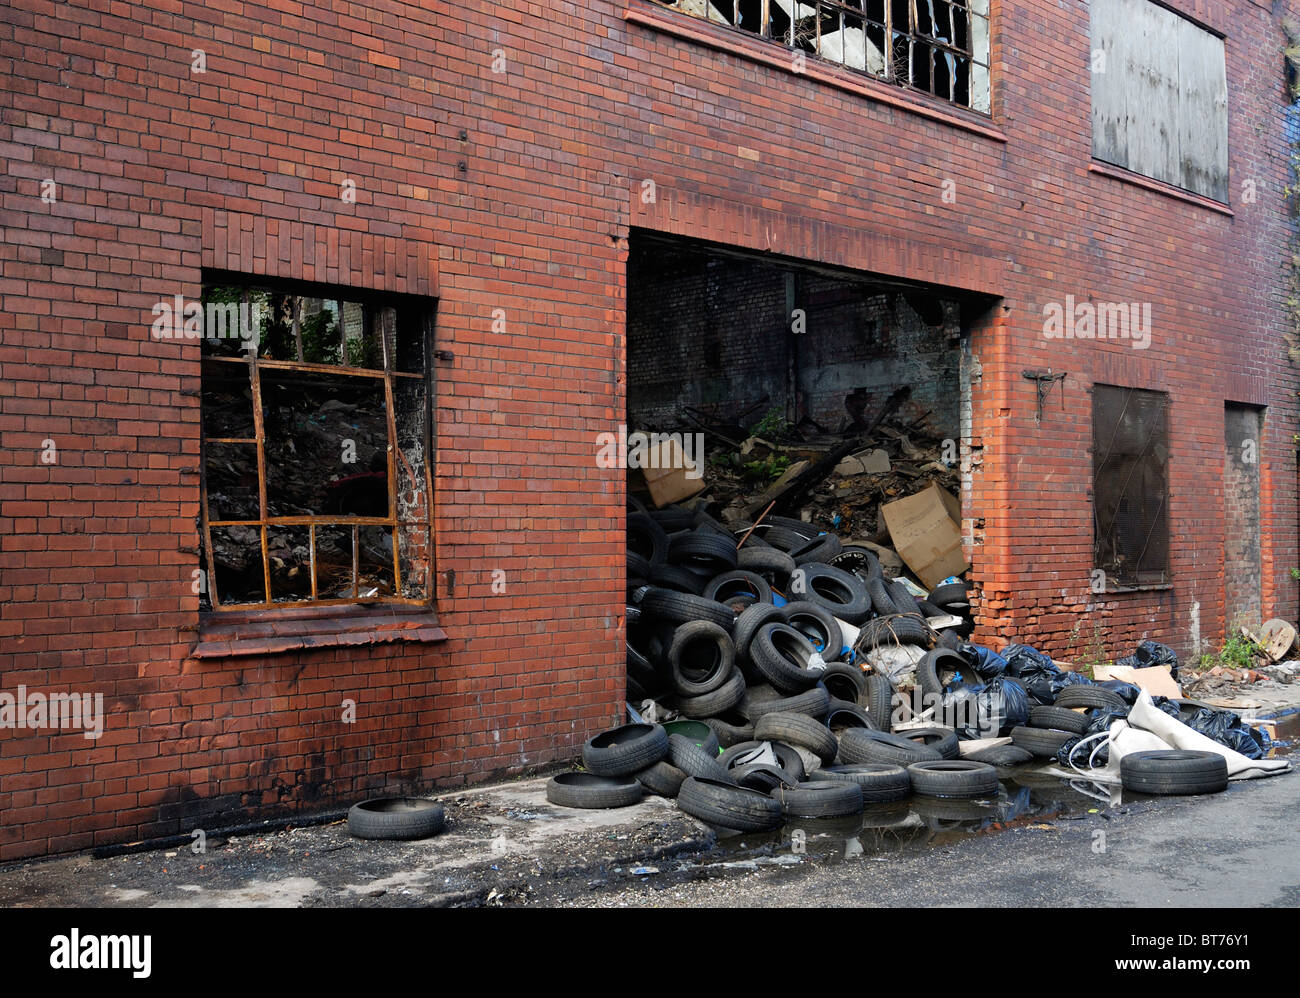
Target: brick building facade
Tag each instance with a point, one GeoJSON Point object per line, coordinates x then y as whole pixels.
{"type": "Point", "coordinates": [499, 156]}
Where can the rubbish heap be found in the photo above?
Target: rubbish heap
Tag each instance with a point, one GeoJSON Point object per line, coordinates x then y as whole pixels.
{"type": "Point", "coordinates": [775, 671]}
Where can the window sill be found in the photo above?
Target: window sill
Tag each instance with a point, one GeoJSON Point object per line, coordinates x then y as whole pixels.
{"type": "Point", "coordinates": [1154, 587]}
{"type": "Point", "coordinates": [273, 632]}
{"type": "Point", "coordinates": [1159, 186]}
{"type": "Point", "coordinates": [728, 40]}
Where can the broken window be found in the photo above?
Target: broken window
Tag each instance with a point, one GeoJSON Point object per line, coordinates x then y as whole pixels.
{"type": "Point", "coordinates": [315, 448]}
{"type": "Point", "coordinates": [936, 46]}
{"type": "Point", "coordinates": [1159, 96]}
{"type": "Point", "coordinates": [1130, 485]}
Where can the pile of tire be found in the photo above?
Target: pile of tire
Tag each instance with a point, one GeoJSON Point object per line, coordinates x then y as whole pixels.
{"type": "Point", "coordinates": [706, 640]}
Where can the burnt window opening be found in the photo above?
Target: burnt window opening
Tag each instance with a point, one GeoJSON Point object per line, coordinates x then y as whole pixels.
{"type": "Point", "coordinates": [934, 46]}
{"type": "Point", "coordinates": [1130, 486]}
{"type": "Point", "coordinates": [316, 454]}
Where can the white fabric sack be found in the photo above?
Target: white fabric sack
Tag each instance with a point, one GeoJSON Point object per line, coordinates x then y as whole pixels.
{"type": "Point", "coordinates": [1148, 728]}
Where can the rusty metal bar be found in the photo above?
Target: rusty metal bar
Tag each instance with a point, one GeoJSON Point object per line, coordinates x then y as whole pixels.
{"type": "Point", "coordinates": [356, 561]}
{"type": "Point", "coordinates": [207, 527]}
{"type": "Point", "coordinates": [259, 431]}
{"type": "Point", "coordinates": [289, 365]}
{"type": "Point", "coordinates": [306, 604]}
{"type": "Point", "coordinates": [311, 547]}
{"type": "Point", "coordinates": [231, 440]}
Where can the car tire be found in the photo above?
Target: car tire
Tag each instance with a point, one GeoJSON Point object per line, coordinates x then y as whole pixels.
{"type": "Point", "coordinates": [1042, 742]}
{"type": "Point", "coordinates": [625, 750]}
{"type": "Point", "coordinates": [739, 589]}
{"type": "Point", "coordinates": [953, 778]}
{"type": "Point", "coordinates": [844, 681]}
{"type": "Point", "coordinates": [701, 657]}
{"type": "Point", "coordinates": [859, 745]}
{"type": "Point", "coordinates": [694, 761]}
{"type": "Point", "coordinates": [1174, 772]}
{"type": "Point", "coordinates": [879, 700]}
{"type": "Point", "coordinates": [396, 818]}
{"type": "Point", "coordinates": [942, 740]}
{"type": "Point", "coordinates": [1002, 755]}
{"type": "Point", "coordinates": [818, 625]}
{"type": "Point", "coordinates": [1060, 718]}
{"type": "Point", "coordinates": [840, 592]}
{"type": "Point", "coordinates": [698, 732]}
{"type": "Point", "coordinates": [682, 608]}
{"type": "Point", "coordinates": [880, 783]}
{"type": "Point", "coordinates": [788, 758]}
{"type": "Point", "coordinates": [820, 799]}
{"type": "Point", "coordinates": [799, 730]}
{"type": "Point", "coordinates": [662, 779]}
{"type": "Point", "coordinates": [718, 701]}
{"type": "Point", "coordinates": [589, 791]}
{"type": "Point", "coordinates": [1091, 697]}
{"type": "Point", "coordinates": [781, 655]}
{"type": "Point", "coordinates": [728, 805]}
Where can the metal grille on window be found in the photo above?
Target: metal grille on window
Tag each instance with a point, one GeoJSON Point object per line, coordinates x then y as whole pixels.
{"type": "Point", "coordinates": [1130, 433]}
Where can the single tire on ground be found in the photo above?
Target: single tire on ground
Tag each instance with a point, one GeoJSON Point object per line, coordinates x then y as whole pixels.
{"type": "Point", "coordinates": [587, 790]}
{"type": "Point", "coordinates": [395, 818]}
{"type": "Point", "coordinates": [953, 778]}
{"type": "Point", "coordinates": [728, 805]}
{"type": "Point", "coordinates": [625, 750]}
{"type": "Point", "coordinates": [1174, 772]}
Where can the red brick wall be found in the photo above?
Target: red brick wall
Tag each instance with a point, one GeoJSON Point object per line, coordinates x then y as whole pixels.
{"type": "Point", "coordinates": [516, 190]}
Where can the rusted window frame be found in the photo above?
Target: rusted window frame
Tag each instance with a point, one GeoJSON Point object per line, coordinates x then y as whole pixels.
{"type": "Point", "coordinates": [910, 35]}
{"type": "Point", "coordinates": [372, 305]}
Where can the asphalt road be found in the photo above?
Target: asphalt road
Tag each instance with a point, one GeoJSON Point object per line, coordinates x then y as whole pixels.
{"type": "Point", "coordinates": [1240, 848]}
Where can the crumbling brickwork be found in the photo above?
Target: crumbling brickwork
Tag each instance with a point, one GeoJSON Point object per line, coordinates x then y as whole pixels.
{"type": "Point", "coordinates": [1241, 525]}
{"type": "Point", "coordinates": [498, 156]}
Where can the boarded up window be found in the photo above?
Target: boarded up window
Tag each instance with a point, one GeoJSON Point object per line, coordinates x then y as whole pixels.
{"type": "Point", "coordinates": [1130, 485]}
{"type": "Point", "coordinates": [1159, 96]}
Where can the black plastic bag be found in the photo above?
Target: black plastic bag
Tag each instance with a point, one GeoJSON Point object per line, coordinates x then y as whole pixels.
{"type": "Point", "coordinates": [1149, 653]}
{"type": "Point", "coordinates": [1227, 728]}
{"type": "Point", "coordinates": [986, 711]}
{"type": "Point", "coordinates": [1127, 691]}
{"type": "Point", "coordinates": [1020, 657]}
{"type": "Point", "coordinates": [988, 663]}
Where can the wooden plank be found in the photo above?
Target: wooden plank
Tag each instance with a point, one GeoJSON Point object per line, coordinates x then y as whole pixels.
{"type": "Point", "coordinates": [1202, 112]}
{"type": "Point", "coordinates": [1109, 114]}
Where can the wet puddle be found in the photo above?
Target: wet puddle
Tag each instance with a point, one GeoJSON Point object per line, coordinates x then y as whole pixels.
{"type": "Point", "coordinates": [1027, 798]}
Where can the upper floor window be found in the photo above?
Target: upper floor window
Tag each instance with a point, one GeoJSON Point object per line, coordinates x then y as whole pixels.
{"type": "Point", "coordinates": [935, 46]}
{"type": "Point", "coordinates": [1159, 96]}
